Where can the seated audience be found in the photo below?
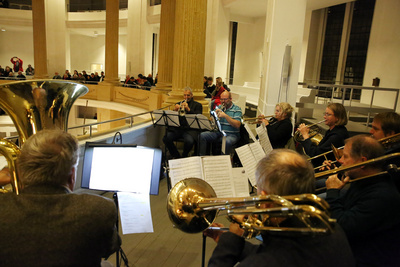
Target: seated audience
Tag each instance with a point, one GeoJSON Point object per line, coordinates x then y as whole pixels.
{"type": "Point", "coordinates": [21, 76]}
{"type": "Point", "coordinates": [30, 70]}
{"type": "Point", "coordinates": [57, 75]}
{"type": "Point", "coordinates": [47, 224]}
{"type": "Point", "coordinates": [367, 212]}
{"type": "Point", "coordinates": [230, 116]}
{"type": "Point", "coordinates": [282, 172]}
{"type": "Point", "coordinates": [190, 136]}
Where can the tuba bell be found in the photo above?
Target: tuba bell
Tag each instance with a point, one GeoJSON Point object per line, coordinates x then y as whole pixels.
{"type": "Point", "coordinates": [33, 106]}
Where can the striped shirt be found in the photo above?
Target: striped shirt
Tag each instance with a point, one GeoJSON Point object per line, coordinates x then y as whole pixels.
{"type": "Point", "coordinates": [235, 112]}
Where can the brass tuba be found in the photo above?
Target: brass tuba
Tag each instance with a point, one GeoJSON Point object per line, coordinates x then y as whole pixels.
{"type": "Point", "coordinates": [33, 106]}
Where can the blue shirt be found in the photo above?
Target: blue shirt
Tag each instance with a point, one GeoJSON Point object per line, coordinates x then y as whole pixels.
{"type": "Point", "coordinates": [235, 112]}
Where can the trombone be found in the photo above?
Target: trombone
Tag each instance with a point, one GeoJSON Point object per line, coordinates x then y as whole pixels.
{"type": "Point", "coordinates": [192, 207]}
{"type": "Point", "coordinates": [255, 120]}
{"type": "Point", "coordinates": [390, 168]}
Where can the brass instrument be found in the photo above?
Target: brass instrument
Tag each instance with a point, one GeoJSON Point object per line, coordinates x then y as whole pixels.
{"type": "Point", "coordinates": [33, 106]}
{"type": "Point", "coordinates": [387, 143]}
{"type": "Point", "coordinates": [192, 207]}
{"type": "Point", "coordinates": [314, 133]}
{"type": "Point", "coordinates": [182, 111]}
{"type": "Point", "coordinates": [256, 120]}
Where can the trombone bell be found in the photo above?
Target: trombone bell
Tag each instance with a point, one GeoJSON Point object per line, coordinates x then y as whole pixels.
{"type": "Point", "coordinates": [183, 209]}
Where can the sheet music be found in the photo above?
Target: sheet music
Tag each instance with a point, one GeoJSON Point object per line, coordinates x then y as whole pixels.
{"type": "Point", "coordinates": [240, 182]}
{"type": "Point", "coordinates": [264, 139]}
{"type": "Point", "coordinates": [257, 151]}
{"type": "Point", "coordinates": [135, 213]}
{"type": "Point", "coordinates": [248, 162]}
{"type": "Point", "coordinates": [247, 127]}
{"type": "Point", "coordinates": [180, 169]}
{"type": "Point", "coordinates": [218, 173]}
{"type": "Point", "coordinates": [204, 122]}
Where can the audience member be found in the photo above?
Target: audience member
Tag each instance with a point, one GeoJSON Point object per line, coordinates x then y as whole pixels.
{"type": "Point", "coordinates": [150, 79]}
{"type": "Point", "coordinates": [85, 75]}
{"type": "Point", "coordinates": [21, 76]}
{"type": "Point", "coordinates": [230, 116]}
{"type": "Point", "coordinates": [210, 87]}
{"type": "Point", "coordinates": [47, 224]}
{"type": "Point", "coordinates": [7, 71]}
{"type": "Point", "coordinates": [30, 70]}
{"type": "Point", "coordinates": [190, 137]}
{"type": "Point", "coordinates": [282, 172]}
{"type": "Point", "coordinates": [17, 62]}
{"type": "Point", "coordinates": [66, 77]}
{"type": "Point", "coordinates": [56, 75]}
{"type": "Point", "coordinates": [368, 211]}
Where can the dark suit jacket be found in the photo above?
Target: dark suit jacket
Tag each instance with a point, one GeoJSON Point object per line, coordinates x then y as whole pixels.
{"type": "Point", "coordinates": [50, 226]}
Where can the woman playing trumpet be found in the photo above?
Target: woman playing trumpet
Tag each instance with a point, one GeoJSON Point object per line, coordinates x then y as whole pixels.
{"type": "Point", "coordinates": [335, 118]}
{"type": "Point", "coordinates": [279, 127]}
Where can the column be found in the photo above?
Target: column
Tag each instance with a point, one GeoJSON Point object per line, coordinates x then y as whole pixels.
{"type": "Point", "coordinates": [112, 30]}
{"type": "Point", "coordinates": [39, 39]}
{"type": "Point", "coordinates": [166, 47]}
{"type": "Point", "coordinates": [189, 49]}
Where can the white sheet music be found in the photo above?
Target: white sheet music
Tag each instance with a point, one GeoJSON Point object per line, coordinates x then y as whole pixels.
{"type": "Point", "coordinates": [257, 151]}
{"type": "Point", "coordinates": [248, 162]}
{"type": "Point", "coordinates": [180, 169]}
{"type": "Point", "coordinates": [218, 173]}
{"type": "Point", "coordinates": [240, 182]}
{"type": "Point", "coordinates": [247, 127]}
{"type": "Point", "coordinates": [135, 213]}
{"type": "Point", "coordinates": [264, 139]}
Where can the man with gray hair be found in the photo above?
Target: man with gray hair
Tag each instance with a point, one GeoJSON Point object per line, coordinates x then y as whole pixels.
{"type": "Point", "coordinates": [369, 211]}
{"type": "Point", "coordinates": [282, 172]}
{"type": "Point", "coordinates": [190, 137]}
{"type": "Point", "coordinates": [47, 224]}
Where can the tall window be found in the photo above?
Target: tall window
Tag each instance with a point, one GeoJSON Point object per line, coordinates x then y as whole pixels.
{"type": "Point", "coordinates": [233, 33]}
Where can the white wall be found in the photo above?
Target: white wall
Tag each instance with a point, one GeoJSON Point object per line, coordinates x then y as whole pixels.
{"type": "Point", "coordinates": [87, 50]}
{"type": "Point", "coordinates": [16, 43]}
{"type": "Point", "coordinates": [249, 45]}
{"type": "Point", "coordinates": [383, 58]}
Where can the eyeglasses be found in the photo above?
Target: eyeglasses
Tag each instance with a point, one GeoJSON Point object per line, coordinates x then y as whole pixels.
{"type": "Point", "coordinates": [224, 99]}
{"type": "Point", "coordinates": [327, 114]}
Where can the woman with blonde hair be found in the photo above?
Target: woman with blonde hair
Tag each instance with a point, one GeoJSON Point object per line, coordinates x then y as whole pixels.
{"type": "Point", "coordinates": [280, 127]}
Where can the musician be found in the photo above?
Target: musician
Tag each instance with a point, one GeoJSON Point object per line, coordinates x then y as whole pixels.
{"type": "Point", "coordinates": [282, 172]}
{"type": "Point", "coordinates": [47, 224]}
{"type": "Point", "coordinates": [368, 212]}
{"type": "Point", "coordinates": [385, 124]}
{"type": "Point", "coordinates": [190, 137]}
{"type": "Point", "coordinates": [5, 177]}
{"type": "Point", "coordinates": [280, 127]}
{"type": "Point", "coordinates": [230, 116]}
{"type": "Point", "coordinates": [336, 119]}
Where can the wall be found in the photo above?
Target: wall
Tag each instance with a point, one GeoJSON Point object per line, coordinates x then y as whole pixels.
{"type": "Point", "coordinates": [18, 44]}
{"type": "Point", "coordinates": [249, 46]}
{"type": "Point", "coordinates": [86, 50]}
{"type": "Point", "coordinates": [383, 58]}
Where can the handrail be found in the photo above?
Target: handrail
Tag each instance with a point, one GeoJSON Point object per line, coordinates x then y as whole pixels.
{"type": "Point", "coordinates": [131, 117]}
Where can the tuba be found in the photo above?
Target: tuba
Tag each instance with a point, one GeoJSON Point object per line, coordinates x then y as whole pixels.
{"type": "Point", "coordinates": [33, 106]}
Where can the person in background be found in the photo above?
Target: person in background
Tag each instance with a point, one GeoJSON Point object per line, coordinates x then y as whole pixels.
{"type": "Point", "coordinates": [17, 62]}
{"type": "Point", "coordinates": [30, 70]}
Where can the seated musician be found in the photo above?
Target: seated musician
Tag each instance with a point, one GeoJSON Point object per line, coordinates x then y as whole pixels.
{"type": "Point", "coordinates": [47, 224]}
{"type": "Point", "coordinates": [230, 116]}
{"type": "Point", "coordinates": [5, 177]}
{"type": "Point", "coordinates": [280, 127]}
{"type": "Point", "coordinates": [190, 137]}
{"type": "Point", "coordinates": [335, 118]}
{"type": "Point", "coordinates": [368, 212]}
{"type": "Point", "coordinates": [282, 172]}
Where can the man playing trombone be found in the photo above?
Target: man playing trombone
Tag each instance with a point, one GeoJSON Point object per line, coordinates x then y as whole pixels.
{"type": "Point", "coordinates": [282, 172]}
{"type": "Point", "coordinates": [190, 137]}
{"type": "Point", "coordinates": [369, 211]}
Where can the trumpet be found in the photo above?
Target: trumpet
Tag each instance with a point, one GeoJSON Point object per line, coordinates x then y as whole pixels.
{"type": "Point", "coordinates": [192, 207]}
{"type": "Point", "coordinates": [182, 111]}
{"type": "Point", "coordinates": [255, 120]}
{"type": "Point", "coordinates": [314, 133]}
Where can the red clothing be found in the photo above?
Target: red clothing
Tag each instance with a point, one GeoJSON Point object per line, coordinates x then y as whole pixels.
{"type": "Point", "coordinates": [217, 97]}
{"type": "Point", "coordinates": [17, 64]}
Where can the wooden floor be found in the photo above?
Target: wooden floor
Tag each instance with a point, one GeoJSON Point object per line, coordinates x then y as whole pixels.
{"type": "Point", "coordinates": [167, 246]}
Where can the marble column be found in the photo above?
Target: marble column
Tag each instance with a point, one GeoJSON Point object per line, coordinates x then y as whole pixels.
{"type": "Point", "coordinates": [39, 39]}
{"type": "Point", "coordinates": [189, 50]}
{"type": "Point", "coordinates": [166, 47]}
